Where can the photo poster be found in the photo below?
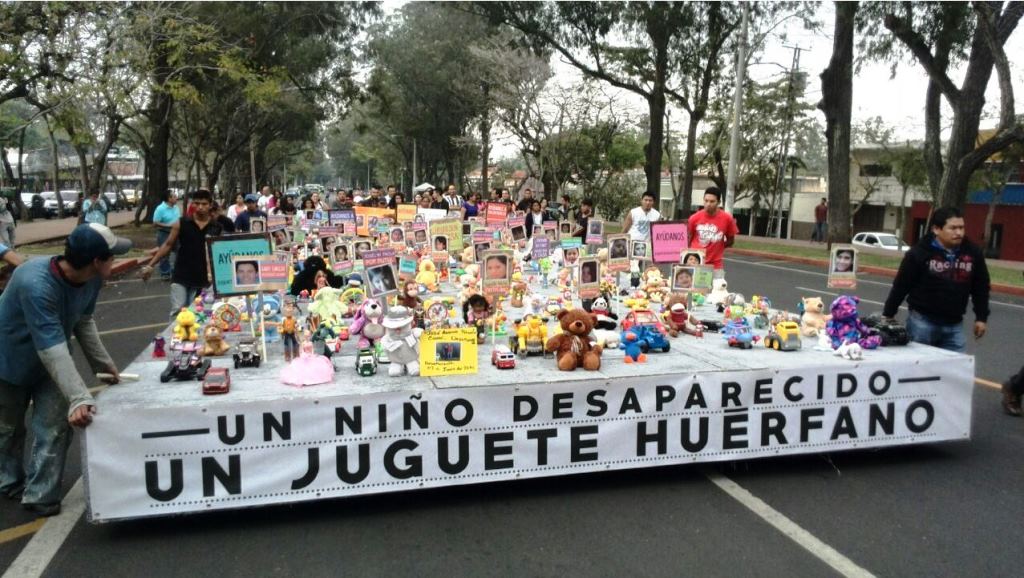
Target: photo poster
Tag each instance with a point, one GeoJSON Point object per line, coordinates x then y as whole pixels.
{"type": "Point", "coordinates": [541, 247]}
{"type": "Point", "coordinates": [618, 254]}
{"type": "Point", "coordinates": [381, 280]}
{"type": "Point", "coordinates": [640, 250]}
{"type": "Point", "coordinates": [692, 257]}
{"type": "Point", "coordinates": [405, 213]}
{"type": "Point", "coordinates": [668, 240]}
{"type": "Point", "coordinates": [517, 227]}
{"type": "Point", "coordinates": [449, 351]}
{"type": "Point", "coordinates": [590, 278]}
{"type": "Point", "coordinates": [260, 274]}
{"type": "Point", "coordinates": [429, 215]}
{"type": "Point", "coordinates": [360, 247]}
{"type": "Point", "coordinates": [496, 272]}
{"type": "Point", "coordinates": [257, 225]}
{"type": "Point", "coordinates": [495, 214]}
{"type": "Point", "coordinates": [342, 259]}
{"type": "Point", "coordinates": [281, 237]}
{"type": "Point", "coordinates": [439, 249]}
{"type": "Point", "coordinates": [551, 231]}
{"type": "Point", "coordinates": [595, 232]}
{"type": "Point", "coordinates": [275, 222]}
{"type": "Point", "coordinates": [682, 278]}
{"type": "Point", "coordinates": [327, 244]}
{"type": "Point", "coordinates": [221, 251]}
{"type": "Point", "coordinates": [368, 214]}
{"type": "Point", "coordinates": [396, 235]}
{"type": "Point", "coordinates": [419, 234]}
{"type": "Point", "coordinates": [407, 268]}
{"type": "Point", "coordinates": [703, 279]}
{"type": "Point", "coordinates": [842, 267]}
{"type": "Point", "coordinates": [450, 228]}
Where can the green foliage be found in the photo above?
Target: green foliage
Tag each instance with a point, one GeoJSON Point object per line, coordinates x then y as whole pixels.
{"type": "Point", "coordinates": [620, 193]}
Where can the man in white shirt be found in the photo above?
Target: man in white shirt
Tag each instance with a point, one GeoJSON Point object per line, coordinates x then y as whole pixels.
{"type": "Point", "coordinates": [264, 199]}
{"type": "Point", "coordinates": [452, 196]}
{"type": "Point", "coordinates": [638, 221]}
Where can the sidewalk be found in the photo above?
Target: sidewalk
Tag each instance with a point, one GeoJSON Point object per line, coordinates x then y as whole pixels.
{"type": "Point", "coordinates": [52, 229]}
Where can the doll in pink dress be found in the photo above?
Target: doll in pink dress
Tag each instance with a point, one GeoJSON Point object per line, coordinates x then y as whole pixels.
{"type": "Point", "coordinates": [308, 368]}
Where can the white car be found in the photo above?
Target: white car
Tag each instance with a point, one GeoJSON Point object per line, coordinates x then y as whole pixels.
{"type": "Point", "coordinates": [50, 202]}
{"type": "Point", "coordinates": [886, 241]}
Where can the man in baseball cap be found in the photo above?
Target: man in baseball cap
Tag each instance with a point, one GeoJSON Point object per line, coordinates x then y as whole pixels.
{"type": "Point", "coordinates": [46, 302]}
{"type": "Point", "coordinates": [243, 221]}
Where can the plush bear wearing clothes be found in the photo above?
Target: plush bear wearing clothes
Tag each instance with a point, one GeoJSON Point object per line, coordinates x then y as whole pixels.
{"type": "Point", "coordinates": [846, 327]}
{"type": "Point", "coordinates": [572, 346]}
{"type": "Point", "coordinates": [401, 341]}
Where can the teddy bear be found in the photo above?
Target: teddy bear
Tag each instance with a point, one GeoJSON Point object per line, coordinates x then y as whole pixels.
{"type": "Point", "coordinates": [518, 290]}
{"type": "Point", "coordinates": [427, 275]}
{"type": "Point", "coordinates": [677, 320]}
{"type": "Point", "coordinates": [366, 323]}
{"type": "Point", "coordinates": [813, 319]}
{"type": "Point", "coordinates": [213, 341]}
{"type": "Point", "coordinates": [185, 328]}
{"type": "Point", "coordinates": [719, 291]}
{"type": "Point", "coordinates": [572, 346]}
{"type": "Point", "coordinates": [653, 284]}
{"type": "Point", "coordinates": [845, 326]}
{"type": "Point", "coordinates": [401, 341]}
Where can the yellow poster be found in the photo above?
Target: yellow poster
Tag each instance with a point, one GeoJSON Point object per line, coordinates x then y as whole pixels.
{"type": "Point", "coordinates": [406, 213]}
{"type": "Point", "coordinates": [450, 228]}
{"type": "Point", "coordinates": [448, 351]}
{"type": "Point", "coordinates": [366, 214]}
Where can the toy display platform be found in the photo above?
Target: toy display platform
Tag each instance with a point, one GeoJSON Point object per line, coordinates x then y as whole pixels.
{"type": "Point", "coordinates": [159, 449]}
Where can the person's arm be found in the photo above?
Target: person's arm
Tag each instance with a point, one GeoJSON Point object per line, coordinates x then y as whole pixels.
{"type": "Point", "coordinates": [89, 340]}
{"type": "Point", "coordinates": [906, 278]}
{"type": "Point", "coordinates": [627, 223]}
{"type": "Point", "coordinates": [730, 234]}
{"type": "Point", "coordinates": [8, 255]}
{"type": "Point", "coordinates": [43, 319]}
{"type": "Point", "coordinates": [162, 251]}
{"type": "Point", "coordinates": [980, 287]}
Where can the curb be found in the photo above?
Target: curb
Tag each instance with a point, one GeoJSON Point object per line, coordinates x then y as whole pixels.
{"type": "Point", "coordinates": [125, 265]}
{"type": "Point", "coordinates": [885, 272]}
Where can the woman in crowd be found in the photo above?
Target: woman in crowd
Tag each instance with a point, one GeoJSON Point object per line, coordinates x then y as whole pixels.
{"type": "Point", "coordinates": [236, 208]}
{"type": "Point", "coordinates": [471, 206]}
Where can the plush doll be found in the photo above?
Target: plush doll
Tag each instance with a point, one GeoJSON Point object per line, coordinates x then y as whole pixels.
{"type": "Point", "coordinates": [185, 327]}
{"type": "Point", "coordinates": [605, 318]}
{"type": "Point", "coordinates": [607, 338]}
{"type": "Point", "coordinates": [631, 348]}
{"type": "Point", "coordinates": [719, 291]}
{"type": "Point", "coordinates": [427, 275]}
{"type": "Point", "coordinates": [366, 323]}
{"type": "Point", "coordinates": [327, 303]}
{"type": "Point", "coordinates": [518, 290]}
{"type": "Point", "coordinates": [409, 297]}
{"type": "Point", "coordinates": [677, 320]}
{"type": "Point", "coordinates": [305, 280]}
{"type": "Point", "coordinates": [653, 284]}
{"type": "Point", "coordinates": [851, 351]}
{"type": "Point", "coordinates": [572, 346]}
{"type": "Point", "coordinates": [846, 327]}
{"type": "Point", "coordinates": [213, 341]}
{"type": "Point", "coordinates": [271, 318]}
{"type": "Point", "coordinates": [322, 339]}
{"type": "Point", "coordinates": [401, 342]}
{"type": "Point", "coordinates": [813, 319]}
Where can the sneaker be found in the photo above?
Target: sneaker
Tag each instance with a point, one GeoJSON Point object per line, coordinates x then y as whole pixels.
{"type": "Point", "coordinates": [1011, 401]}
{"type": "Point", "coordinates": [44, 510]}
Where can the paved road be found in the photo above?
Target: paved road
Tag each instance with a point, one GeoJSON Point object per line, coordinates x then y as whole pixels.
{"type": "Point", "coordinates": [935, 510]}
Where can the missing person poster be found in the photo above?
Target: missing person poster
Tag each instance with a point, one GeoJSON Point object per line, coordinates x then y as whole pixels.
{"type": "Point", "coordinates": [668, 240]}
{"type": "Point", "coordinates": [618, 253]}
{"type": "Point", "coordinates": [256, 274]}
{"type": "Point", "coordinates": [496, 272]}
{"type": "Point", "coordinates": [590, 278]}
{"type": "Point", "coordinates": [495, 214]}
{"type": "Point", "coordinates": [448, 351]}
{"type": "Point", "coordinates": [842, 267]}
{"type": "Point", "coordinates": [221, 253]}
{"type": "Point", "coordinates": [450, 228]}
{"type": "Point", "coordinates": [595, 232]}
{"type": "Point", "coordinates": [541, 247]}
{"type": "Point", "coordinates": [692, 258]}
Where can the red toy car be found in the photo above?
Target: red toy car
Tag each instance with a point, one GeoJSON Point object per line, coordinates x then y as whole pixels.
{"type": "Point", "coordinates": [642, 317]}
{"type": "Point", "coordinates": [217, 381]}
{"type": "Point", "coordinates": [503, 358]}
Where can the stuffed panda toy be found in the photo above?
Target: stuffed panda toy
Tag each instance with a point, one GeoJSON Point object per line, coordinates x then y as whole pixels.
{"type": "Point", "coordinates": [605, 318]}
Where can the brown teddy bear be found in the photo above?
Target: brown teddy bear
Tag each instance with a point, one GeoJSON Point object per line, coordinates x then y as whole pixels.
{"type": "Point", "coordinates": [572, 346]}
{"type": "Point", "coordinates": [214, 341]}
{"type": "Point", "coordinates": [677, 320]}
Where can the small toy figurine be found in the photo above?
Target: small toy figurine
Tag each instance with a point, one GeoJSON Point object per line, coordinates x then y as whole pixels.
{"type": "Point", "coordinates": [158, 347]}
{"type": "Point", "coordinates": [321, 338]}
{"type": "Point", "coordinates": [605, 318]}
{"type": "Point", "coordinates": [187, 364]}
{"type": "Point", "coordinates": [631, 348]}
{"type": "Point", "coordinates": [246, 355]}
{"type": "Point", "coordinates": [217, 381]}
{"type": "Point", "coordinates": [503, 358]}
{"type": "Point", "coordinates": [185, 326]}
{"type": "Point", "coordinates": [737, 334]}
{"type": "Point", "coordinates": [409, 296]}
{"type": "Point", "coordinates": [572, 346]}
{"type": "Point", "coordinates": [271, 318]}
{"type": "Point", "coordinates": [518, 290]}
{"type": "Point", "coordinates": [401, 342]}
{"type": "Point", "coordinates": [308, 368]}
{"type": "Point", "coordinates": [677, 320]}
{"type": "Point", "coordinates": [366, 323]}
{"type": "Point", "coordinates": [213, 341]}
{"type": "Point", "coordinates": [475, 312]}
{"type": "Point", "coordinates": [288, 329]}
{"type": "Point", "coordinates": [531, 335]}
{"type": "Point", "coordinates": [653, 284]}
{"type": "Point", "coordinates": [719, 291]}
{"type": "Point", "coordinates": [784, 336]}
{"type": "Point", "coordinates": [850, 350]}
{"type": "Point", "coordinates": [545, 266]}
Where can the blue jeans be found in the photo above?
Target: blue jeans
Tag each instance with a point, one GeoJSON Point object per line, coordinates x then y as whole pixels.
{"type": "Point", "coordinates": [182, 296]}
{"type": "Point", "coordinates": [926, 331]}
{"type": "Point", "coordinates": [166, 262]}
{"type": "Point", "coordinates": [51, 438]}
{"type": "Point", "coordinates": [819, 232]}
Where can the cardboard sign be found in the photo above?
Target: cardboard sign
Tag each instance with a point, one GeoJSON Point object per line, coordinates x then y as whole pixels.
{"type": "Point", "coordinates": [842, 267]}
{"type": "Point", "coordinates": [618, 254]}
{"type": "Point", "coordinates": [429, 215]}
{"type": "Point", "coordinates": [450, 228]}
{"type": "Point", "coordinates": [378, 257]}
{"type": "Point", "coordinates": [496, 272]}
{"type": "Point", "coordinates": [703, 279]}
{"type": "Point", "coordinates": [541, 247]}
{"type": "Point", "coordinates": [495, 214]}
{"type": "Point", "coordinates": [405, 212]}
{"type": "Point", "coordinates": [590, 279]}
{"type": "Point", "coordinates": [595, 232]}
{"type": "Point", "coordinates": [221, 252]}
{"type": "Point", "coordinates": [260, 273]}
{"type": "Point", "coordinates": [367, 213]}
{"type": "Point", "coordinates": [407, 268]}
{"type": "Point", "coordinates": [450, 351]}
{"type": "Point", "coordinates": [668, 240]}
{"type": "Point", "coordinates": [275, 222]}
{"type": "Point", "coordinates": [381, 280]}
{"type": "Point", "coordinates": [517, 227]}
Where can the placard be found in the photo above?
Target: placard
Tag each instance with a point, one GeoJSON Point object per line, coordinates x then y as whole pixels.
{"type": "Point", "coordinates": [260, 274]}
{"type": "Point", "coordinates": [842, 268]}
{"type": "Point", "coordinates": [590, 278]}
{"type": "Point", "coordinates": [450, 228]}
{"type": "Point", "coordinates": [429, 215]}
{"type": "Point", "coordinates": [496, 272]}
{"type": "Point", "coordinates": [517, 228]}
{"type": "Point", "coordinates": [595, 232]}
{"type": "Point", "coordinates": [703, 279]}
{"type": "Point", "coordinates": [668, 240]}
{"type": "Point", "coordinates": [618, 254]}
{"type": "Point", "coordinates": [449, 351]}
{"type": "Point", "coordinates": [692, 257]}
{"type": "Point", "coordinates": [376, 257]}
{"type": "Point", "coordinates": [407, 268]}
{"type": "Point", "coordinates": [682, 278]}
{"type": "Point", "coordinates": [495, 214]}
{"type": "Point", "coordinates": [541, 247]}
{"type": "Point", "coordinates": [405, 212]}
{"type": "Point", "coordinates": [221, 252]}
{"type": "Point", "coordinates": [381, 280]}
{"type": "Point", "coordinates": [364, 216]}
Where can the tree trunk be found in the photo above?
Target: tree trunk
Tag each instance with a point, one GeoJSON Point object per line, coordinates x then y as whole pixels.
{"type": "Point", "coordinates": [900, 217]}
{"type": "Point", "coordinates": [656, 138]}
{"type": "Point", "coordinates": [25, 212]}
{"type": "Point", "coordinates": [83, 170]}
{"type": "Point", "coordinates": [997, 195]}
{"type": "Point", "coordinates": [683, 206]}
{"type": "Point", "coordinates": [933, 139]}
{"type": "Point", "coordinates": [56, 170]}
{"type": "Point", "coordinates": [837, 104]}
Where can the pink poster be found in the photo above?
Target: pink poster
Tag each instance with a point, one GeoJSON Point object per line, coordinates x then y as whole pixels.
{"type": "Point", "coordinates": [668, 240]}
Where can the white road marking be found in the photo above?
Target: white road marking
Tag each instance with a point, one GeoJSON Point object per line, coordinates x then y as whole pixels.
{"type": "Point", "coordinates": [40, 550]}
{"type": "Point", "coordinates": [789, 528]}
{"type": "Point", "coordinates": [136, 328]}
{"type": "Point", "coordinates": [126, 299]}
{"type": "Point", "coordinates": [791, 270]}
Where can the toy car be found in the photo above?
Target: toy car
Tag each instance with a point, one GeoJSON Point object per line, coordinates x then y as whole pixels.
{"type": "Point", "coordinates": [642, 317]}
{"type": "Point", "coordinates": [217, 380]}
{"type": "Point", "coordinates": [366, 363]}
{"type": "Point", "coordinates": [246, 354]}
{"type": "Point", "coordinates": [784, 337]}
{"type": "Point", "coordinates": [738, 334]}
{"type": "Point", "coordinates": [529, 337]}
{"type": "Point", "coordinates": [648, 337]}
{"type": "Point", "coordinates": [503, 358]}
{"type": "Point", "coordinates": [187, 364]}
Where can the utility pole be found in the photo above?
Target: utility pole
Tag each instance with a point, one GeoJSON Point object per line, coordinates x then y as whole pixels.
{"type": "Point", "coordinates": [784, 150]}
{"type": "Point", "coordinates": [414, 175]}
{"type": "Point", "coordinates": [252, 163]}
{"type": "Point", "coordinates": [737, 112]}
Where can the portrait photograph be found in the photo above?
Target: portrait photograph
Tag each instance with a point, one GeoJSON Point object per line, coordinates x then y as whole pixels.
{"type": "Point", "coordinates": [639, 250]}
{"type": "Point", "coordinates": [692, 258]}
{"type": "Point", "coordinates": [682, 278]}
{"type": "Point", "coordinates": [588, 271]}
{"type": "Point", "coordinates": [258, 225]}
{"type": "Point", "coordinates": [618, 249]}
{"type": "Point", "coordinates": [247, 274]}
{"type": "Point", "coordinates": [381, 280]}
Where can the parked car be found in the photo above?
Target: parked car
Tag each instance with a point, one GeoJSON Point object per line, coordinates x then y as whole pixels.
{"type": "Point", "coordinates": [69, 197]}
{"type": "Point", "coordinates": [886, 241]}
{"type": "Point", "coordinates": [114, 202]}
{"type": "Point", "coordinates": [132, 196]}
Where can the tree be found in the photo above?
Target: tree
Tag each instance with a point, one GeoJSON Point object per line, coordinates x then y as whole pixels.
{"type": "Point", "coordinates": [994, 175]}
{"type": "Point", "coordinates": [939, 35]}
{"type": "Point", "coordinates": [837, 104]}
{"type": "Point", "coordinates": [909, 170]}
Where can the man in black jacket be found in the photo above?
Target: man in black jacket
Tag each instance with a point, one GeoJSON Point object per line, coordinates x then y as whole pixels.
{"type": "Point", "coordinates": [936, 277]}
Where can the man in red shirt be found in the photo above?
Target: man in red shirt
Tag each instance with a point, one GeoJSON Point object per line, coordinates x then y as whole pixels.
{"type": "Point", "coordinates": [820, 221]}
{"type": "Point", "coordinates": [712, 229]}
